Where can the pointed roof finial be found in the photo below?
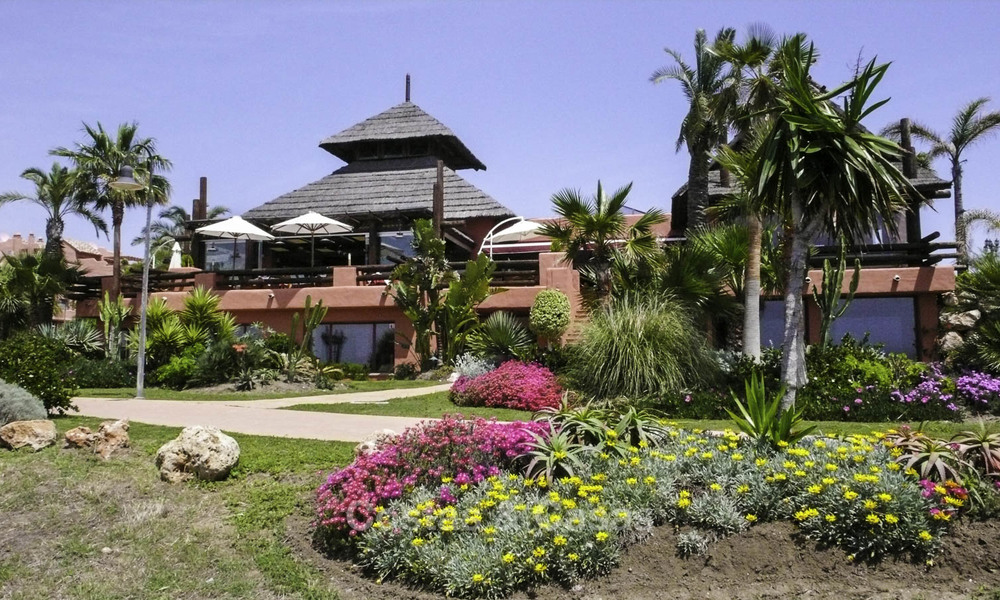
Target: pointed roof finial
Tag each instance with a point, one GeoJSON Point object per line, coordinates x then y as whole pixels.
{"type": "Point", "coordinates": [407, 87]}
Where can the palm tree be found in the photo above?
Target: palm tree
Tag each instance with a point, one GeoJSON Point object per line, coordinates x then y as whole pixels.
{"type": "Point", "coordinates": [594, 234]}
{"type": "Point", "coordinates": [171, 226]}
{"type": "Point", "coordinates": [100, 160]}
{"type": "Point", "coordinates": [59, 196]}
{"type": "Point", "coordinates": [968, 127]}
{"type": "Point", "coordinates": [33, 281]}
{"type": "Point", "coordinates": [819, 171]}
{"type": "Point", "coordinates": [706, 85]}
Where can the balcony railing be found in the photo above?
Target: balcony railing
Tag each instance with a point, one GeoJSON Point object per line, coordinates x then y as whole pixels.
{"type": "Point", "coordinates": [924, 253]}
{"type": "Point", "coordinates": [508, 273]}
{"type": "Point", "coordinates": [293, 277]}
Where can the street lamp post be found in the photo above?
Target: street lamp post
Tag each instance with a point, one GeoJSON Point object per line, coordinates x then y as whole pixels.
{"type": "Point", "coordinates": [126, 182]}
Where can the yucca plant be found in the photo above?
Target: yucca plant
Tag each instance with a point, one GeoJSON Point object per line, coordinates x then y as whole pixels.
{"type": "Point", "coordinates": [763, 420]}
{"type": "Point", "coordinates": [113, 314]}
{"type": "Point", "coordinates": [980, 448]}
{"type": "Point", "coordinates": [555, 455]}
{"type": "Point", "coordinates": [80, 335]}
{"type": "Point", "coordinates": [501, 336]}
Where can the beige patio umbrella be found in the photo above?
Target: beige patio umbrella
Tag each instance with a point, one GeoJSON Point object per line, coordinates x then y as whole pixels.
{"type": "Point", "coordinates": [314, 223]}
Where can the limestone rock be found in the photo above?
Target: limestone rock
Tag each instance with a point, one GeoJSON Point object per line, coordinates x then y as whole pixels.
{"type": "Point", "coordinates": [79, 437]}
{"type": "Point", "coordinates": [949, 299]}
{"type": "Point", "coordinates": [36, 434]}
{"type": "Point", "coordinates": [962, 321]}
{"type": "Point", "coordinates": [113, 435]}
{"type": "Point", "coordinates": [950, 342]}
{"type": "Point", "coordinates": [373, 441]}
{"type": "Point", "coordinates": [202, 452]}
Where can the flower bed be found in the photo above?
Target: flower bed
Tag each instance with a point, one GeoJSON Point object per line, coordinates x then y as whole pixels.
{"type": "Point", "coordinates": [496, 531]}
{"type": "Point", "coordinates": [514, 384]}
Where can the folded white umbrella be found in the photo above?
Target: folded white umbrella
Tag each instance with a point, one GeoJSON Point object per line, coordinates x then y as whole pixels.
{"type": "Point", "coordinates": [314, 223]}
{"type": "Point", "coordinates": [235, 228]}
{"type": "Point", "coordinates": [520, 229]}
{"type": "Point", "coordinates": [175, 257]}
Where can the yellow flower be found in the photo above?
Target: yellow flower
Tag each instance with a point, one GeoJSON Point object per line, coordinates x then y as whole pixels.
{"type": "Point", "coordinates": [631, 481]}
{"type": "Point", "coordinates": [559, 540]}
{"type": "Point", "coordinates": [601, 536]}
{"type": "Point", "coordinates": [751, 518]}
{"type": "Point", "coordinates": [829, 481]}
{"type": "Point", "coordinates": [537, 509]}
{"type": "Point", "coordinates": [831, 467]}
{"type": "Point", "coordinates": [670, 457]}
{"type": "Point", "coordinates": [569, 504]}
{"type": "Point", "coordinates": [873, 519]}
{"type": "Point", "coordinates": [788, 464]}
{"type": "Point", "coordinates": [893, 466]}
{"type": "Point", "coordinates": [814, 489]}
{"type": "Point", "coordinates": [554, 518]}
{"type": "Point", "coordinates": [885, 497]}
{"type": "Point", "coordinates": [799, 473]}
{"type": "Point", "coordinates": [819, 444]}
{"type": "Point", "coordinates": [573, 556]}
{"type": "Point", "coordinates": [683, 503]}
{"type": "Point", "coordinates": [542, 482]}
{"type": "Point", "coordinates": [891, 519]}
{"type": "Point", "coordinates": [520, 507]}
{"type": "Point", "coordinates": [538, 552]}
{"type": "Point", "coordinates": [508, 558]}
{"type": "Point", "coordinates": [611, 434]}
{"type": "Point", "coordinates": [414, 513]}
{"type": "Point", "coordinates": [650, 480]}
{"type": "Point", "coordinates": [446, 480]}
{"type": "Point", "coordinates": [831, 518]}
{"type": "Point", "coordinates": [489, 530]}
{"type": "Point", "coordinates": [540, 568]}
{"type": "Point", "coordinates": [926, 536]}
{"type": "Point", "coordinates": [870, 504]}
{"type": "Point", "coordinates": [706, 455]}
{"type": "Point", "coordinates": [779, 477]}
{"type": "Point", "coordinates": [782, 444]}
{"type": "Point", "coordinates": [600, 512]}
{"type": "Point", "coordinates": [911, 471]}
{"type": "Point", "coordinates": [418, 542]}
{"type": "Point", "coordinates": [743, 488]}
{"type": "Point", "coordinates": [622, 514]}
{"type": "Point", "coordinates": [477, 578]}
{"type": "Point", "coordinates": [715, 487]}
{"type": "Point", "coordinates": [737, 456]}
{"type": "Point", "coordinates": [554, 496]}
{"type": "Point", "coordinates": [426, 522]}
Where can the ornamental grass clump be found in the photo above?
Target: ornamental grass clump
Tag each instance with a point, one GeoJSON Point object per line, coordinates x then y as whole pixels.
{"type": "Point", "coordinates": [18, 404]}
{"type": "Point", "coordinates": [514, 384]}
{"type": "Point", "coordinates": [462, 451]}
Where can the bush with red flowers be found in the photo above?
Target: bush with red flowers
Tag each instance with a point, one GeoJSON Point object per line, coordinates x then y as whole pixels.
{"type": "Point", "coordinates": [514, 384]}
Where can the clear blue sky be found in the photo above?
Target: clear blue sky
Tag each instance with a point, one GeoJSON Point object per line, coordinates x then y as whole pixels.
{"type": "Point", "coordinates": [547, 94]}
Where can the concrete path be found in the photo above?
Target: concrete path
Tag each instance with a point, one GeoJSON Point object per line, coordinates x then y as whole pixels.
{"type": "Point", "coordinates": [260, 417]}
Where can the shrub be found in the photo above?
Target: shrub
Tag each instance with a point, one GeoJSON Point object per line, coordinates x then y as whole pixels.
{"type": "Point", "coordinates": [178, 373]}
{"type": "Point", "coordinates": [522, 386]}
{"type": "Point", "coordinates": [91, 373]}
{"type": "Point", "coordinates": [282, 343]}
{"type": "Point", "coordinates": [462, 452]}
{"type": "Point", "coordinates": [218, 363]}
{"type": "Point", "coordinates": [405, 371]}
{"type": "Point", "coordinates": [550, 314]}
{"type": "Point", "coordinates": [641, 348]}
{"type": "Point", "coordinates": [17, 404]}
{"type": "Point", "coordinates": [41, 366]}
{"type": "Point", "coordinates": [471, 366]}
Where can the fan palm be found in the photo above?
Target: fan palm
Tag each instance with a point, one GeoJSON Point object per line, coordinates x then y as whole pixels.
{"type": "Point", "coordinates": [100, 160]}
{"type": "Point", "coordinates": [34, 281]}
{"type": "Point", "coordinates": [969, 126]}
{"type": "Point", "coordinates": [171, 226]}
{"type": "Point", "coordinates": [706, 85]}
{"type": "Point", "coordinates": [593, 233]}
{"type": "Point", "coordinates": [820, 172]}
{"type": "Point", "coordinates": [58, 194]}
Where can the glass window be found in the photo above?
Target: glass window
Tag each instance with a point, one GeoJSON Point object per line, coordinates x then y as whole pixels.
{"type": "Point", "coordinates": [772, 323]}
{"type": "Point", "coordinates": [372, 344]}
{"type": "Point", "coordinates": [397, 246]}
{"type": "Point", "coordinates": [890, 321]}
{"type": "Point", "coordinates": [219, 255]}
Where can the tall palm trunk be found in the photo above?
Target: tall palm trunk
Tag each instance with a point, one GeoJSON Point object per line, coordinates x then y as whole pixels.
{"type": "Point", "coordinates": [793, 355]}
{"type": "Point", "coordinates": [117, 216]}
{"type": "Point", "coordinates": [53, 236]}
{"type": "Point", "coordinates": [751, 302]}
{"type": "Point", "coordinates": [697, 192]}
{"type": "Point", "coordinates": [960, 237]}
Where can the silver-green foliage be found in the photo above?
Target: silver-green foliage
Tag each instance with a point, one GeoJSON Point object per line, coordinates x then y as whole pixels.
{"type": "Point", "coordinates": [17, 404]}
{"type": "Point", "coordinates": [550, 314]}
{"type": "Point", "coordinates": [501, 336]}
{"type": "Point", "coordinates": [641, 348]}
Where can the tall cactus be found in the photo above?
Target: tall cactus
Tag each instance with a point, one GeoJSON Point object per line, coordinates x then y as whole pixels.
{"type": "Point", "coordinates": [829, 301]}
{"type": "Point", "coordinates": [310, 317]}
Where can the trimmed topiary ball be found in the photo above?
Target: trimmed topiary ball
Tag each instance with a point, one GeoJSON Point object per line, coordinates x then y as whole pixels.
{"type": "Point", "coordinates": [550, 314]}
{"type": "Point", "coordinates": [17, 404]}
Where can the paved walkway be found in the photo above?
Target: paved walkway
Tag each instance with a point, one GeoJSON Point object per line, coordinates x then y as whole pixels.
{"type": "Point", "coordinates": [260, 417]}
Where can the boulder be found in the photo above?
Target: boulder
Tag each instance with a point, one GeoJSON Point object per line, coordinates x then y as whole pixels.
{"type": "Point", "coordinates": [79, 437]}
{"type": "Point", "coordinates": [950, 342]}
{"type": "Point", "coordinates": [202, 452]}
{"type": "Point", "coordinates": [113, 435]}
{"type": "Point", "coordinates": [960, 321]}
{"type": "Point", "coordinates": [36, 434]}
{"type": "Point", "coordinates": [373, 441]}
{"type": "Point", "coordinates": [949, 299]}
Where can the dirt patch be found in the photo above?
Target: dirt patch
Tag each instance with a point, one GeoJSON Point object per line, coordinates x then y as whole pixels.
{"type": "Point", "coordinates": [273, 387]}
{"type": "Point", "coordinates": [769, 561]}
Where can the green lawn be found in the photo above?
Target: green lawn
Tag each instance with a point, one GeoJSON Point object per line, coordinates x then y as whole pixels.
{"type": "Point", "coordinates": [431, 406]}
{"type": "Point", "coordinates": [78, 527]}
{"type": "Point", "coordinates": [258, 394]}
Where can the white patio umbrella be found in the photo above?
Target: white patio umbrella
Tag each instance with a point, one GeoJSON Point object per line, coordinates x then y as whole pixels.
{"type": "Point", "coordinates": [521, 229]}
{"type": "Point", "coordinates": [235, 228]}
{"type": "Point", "coordinates": [175, 257]}
{"type": "Point", "coordinates": [314, 223]}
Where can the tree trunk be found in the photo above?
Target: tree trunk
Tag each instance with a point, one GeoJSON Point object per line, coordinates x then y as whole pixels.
{"type": "Point", "coordinates": [751, 302]}
{"type": "Point", "coordinates": [117, 215]}
{"type": "Point", "coordinates": [697, 192]}
{"type": "Point", "coordinates": [793, 355]}
{"type": "Point", "coordinates": [53, 237]}
{"type": "Point", "coordinates": [960, 237]}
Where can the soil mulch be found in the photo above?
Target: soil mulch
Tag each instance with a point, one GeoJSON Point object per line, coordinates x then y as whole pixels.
{"type": "Point", "coordinates": [769, 561]}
